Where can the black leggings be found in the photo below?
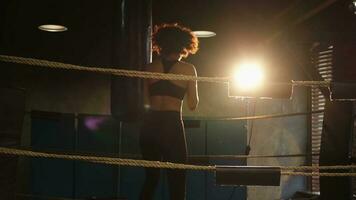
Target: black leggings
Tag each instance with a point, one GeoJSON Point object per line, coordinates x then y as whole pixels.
{"type": "Point", "coordinates": [162, 138]}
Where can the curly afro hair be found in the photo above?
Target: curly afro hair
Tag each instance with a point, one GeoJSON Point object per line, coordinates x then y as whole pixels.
{"type": "Point", "coordinates": [173, 38]}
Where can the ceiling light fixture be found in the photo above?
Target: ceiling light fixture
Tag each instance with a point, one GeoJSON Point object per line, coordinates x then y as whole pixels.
{"type": "Point", "coordinates": [352, 6]}
{"type": "Point", "coordinates": [52, 28]}
{"type": "Point", "coordinates": [204, 34]}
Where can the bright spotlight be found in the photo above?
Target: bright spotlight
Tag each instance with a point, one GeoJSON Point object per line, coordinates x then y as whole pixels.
{"type": "Point", "coordinates": [251, 81]}
{"type": "Point", "coordinates": [249, 75]}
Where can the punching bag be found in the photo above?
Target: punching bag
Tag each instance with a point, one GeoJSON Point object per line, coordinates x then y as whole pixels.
{"type": "Point", "coordinates": [133, 53]}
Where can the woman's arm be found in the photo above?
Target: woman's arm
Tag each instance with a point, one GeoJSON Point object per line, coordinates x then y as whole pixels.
{"type": "Point", "coordinates": [192, 91]}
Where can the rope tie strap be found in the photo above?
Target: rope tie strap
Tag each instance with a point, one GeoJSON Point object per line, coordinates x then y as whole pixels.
{"type": "Point", "coordinates": [137, 74]}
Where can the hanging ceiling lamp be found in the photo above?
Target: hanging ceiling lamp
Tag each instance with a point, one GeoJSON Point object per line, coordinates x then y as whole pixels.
{"type": "Point", "coordinates": [204, 34]}
{"type": "Point", "coordinates": [52, 28]}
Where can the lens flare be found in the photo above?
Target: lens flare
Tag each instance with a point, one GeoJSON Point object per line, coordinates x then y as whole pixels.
{"type": "Point", "coordinates": [249, 75]}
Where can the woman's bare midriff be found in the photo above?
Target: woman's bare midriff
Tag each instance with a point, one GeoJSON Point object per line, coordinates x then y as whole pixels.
{"type": "Point", "coordinates": [165, 103]}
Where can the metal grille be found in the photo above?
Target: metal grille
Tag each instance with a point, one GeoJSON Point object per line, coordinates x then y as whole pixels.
{"type": "Point", "coordinates": [322, 61]}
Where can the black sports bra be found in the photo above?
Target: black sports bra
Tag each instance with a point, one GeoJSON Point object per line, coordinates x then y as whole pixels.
{"type": "Point", "coordinates": [166, 87]}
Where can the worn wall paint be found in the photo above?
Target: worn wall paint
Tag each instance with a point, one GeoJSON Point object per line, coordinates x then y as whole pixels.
{"type": "Point", "coordinates": [280, 136]}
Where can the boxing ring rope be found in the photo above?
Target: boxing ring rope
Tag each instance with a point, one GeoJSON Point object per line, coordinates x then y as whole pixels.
{"type": "Point", "coordinates": [111, 70]}
{"type": "Point", "coordinates": [236, 157]}
{"type": "Point", "coordinates": [270, 116]}
{"type": "Point", "coordinates": [137, 74]}
{"type": "Point", "coordinates": [284, 170]}
{"type": "Point", "coordinates": [106, 160]}
{"type": "Point", "coordinates": [23, 195]}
